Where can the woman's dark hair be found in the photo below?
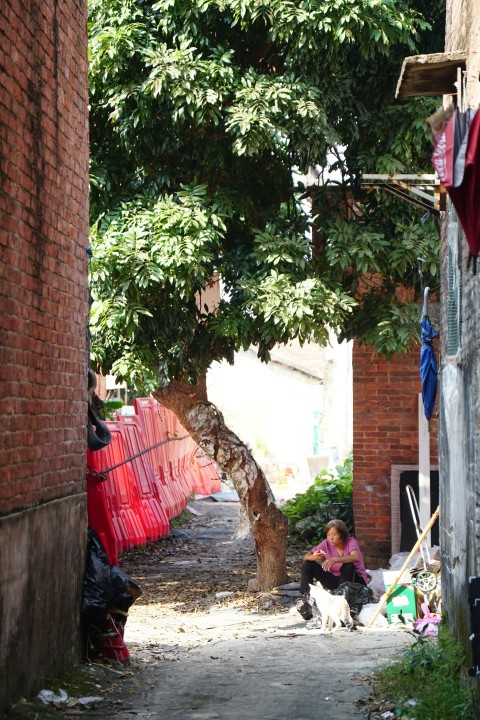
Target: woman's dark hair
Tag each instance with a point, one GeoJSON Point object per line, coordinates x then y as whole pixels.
{"type": "Point", "coordinates": [340, 527]}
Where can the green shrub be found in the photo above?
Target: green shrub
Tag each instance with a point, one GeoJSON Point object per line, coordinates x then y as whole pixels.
{"type": "Point", "coordinates": [329, 496]}
{"type": "Point", "coordinates": [431, 674]}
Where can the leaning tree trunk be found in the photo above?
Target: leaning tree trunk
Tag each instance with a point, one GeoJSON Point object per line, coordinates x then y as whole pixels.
{"type": "Point", "coordinates": [205, 424]}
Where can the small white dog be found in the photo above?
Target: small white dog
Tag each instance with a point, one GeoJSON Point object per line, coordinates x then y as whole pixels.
{"type": "Point", "coordinates": [334, 609]}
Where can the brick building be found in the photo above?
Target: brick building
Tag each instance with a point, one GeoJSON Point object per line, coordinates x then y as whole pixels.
{"type": "Point", "coordinates": [386, 452]}
{"type": "Point", "coordinates": [44, 303]}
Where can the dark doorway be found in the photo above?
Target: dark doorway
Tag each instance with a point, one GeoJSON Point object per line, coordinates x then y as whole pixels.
{"type": "Point", "coordinates": [408, 537]}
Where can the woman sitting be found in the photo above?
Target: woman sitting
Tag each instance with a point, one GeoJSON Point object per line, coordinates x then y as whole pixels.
{"type": "Point", "coordinates": [336, 560]}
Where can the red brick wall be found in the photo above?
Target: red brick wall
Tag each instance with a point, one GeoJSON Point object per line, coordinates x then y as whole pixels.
{"type": "Point", "coordinates": [385, 433]}
{"type": "Point", "coordinates": [43, 236]}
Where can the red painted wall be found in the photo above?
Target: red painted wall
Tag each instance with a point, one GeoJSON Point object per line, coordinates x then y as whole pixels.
{"type": "Point", "coordinates": [385, 433]}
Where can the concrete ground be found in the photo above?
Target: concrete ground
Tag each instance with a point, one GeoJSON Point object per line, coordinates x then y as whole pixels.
{"type": "Point", "coordinates": [203, 647]}
{"type": "Point", "coordinates": [227, 654]}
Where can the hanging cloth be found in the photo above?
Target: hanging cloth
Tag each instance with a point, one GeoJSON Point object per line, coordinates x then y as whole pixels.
{"type": "Point", "coordinates": [456, 158]}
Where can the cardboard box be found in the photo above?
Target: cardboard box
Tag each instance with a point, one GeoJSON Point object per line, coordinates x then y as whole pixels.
{"type": "Point", "coordinates": [402, 600]}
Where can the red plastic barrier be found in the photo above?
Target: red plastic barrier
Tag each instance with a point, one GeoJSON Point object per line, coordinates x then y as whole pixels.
{"type": "Point", "coordinates": [186, 462]}
{"type": "Point", "coordinates": [100, 516]}
{"type": "Point", "coordinates": [179, 464]}
{"type": "Point", "coordinates": [154, 426]}
{"type": "Point", "coordinates": [104, 494]}
{"type": "Point", "coordinates": [153, 514]}
{"type": "Point", "coordinates": [184, 466]}
{"type": "Point", "coordinates": [175, 449]}
{"type": "Point", "coordinates": [189, 465]}
{"type": "Point", "coordinates": [121, 483]}
{"type": "Point", "coordinates": [110, 644]}
{"type": "Point", "coordinates": [137, 499]}
{"type": "Point", "coordinates": [208, 477]}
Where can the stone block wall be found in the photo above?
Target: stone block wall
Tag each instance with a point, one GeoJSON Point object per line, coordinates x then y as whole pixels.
{"type": "Point", "coordinates": [385, 440]}
{"type": "Point", "coordinates": [43, 322]}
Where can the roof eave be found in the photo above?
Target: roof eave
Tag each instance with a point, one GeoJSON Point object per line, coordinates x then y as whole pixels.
{"type": "Point", "coordinates": [430, 75]}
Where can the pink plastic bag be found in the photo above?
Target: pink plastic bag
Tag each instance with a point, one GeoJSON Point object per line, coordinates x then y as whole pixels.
{"type": "Point", "coordinates": [428, 624]}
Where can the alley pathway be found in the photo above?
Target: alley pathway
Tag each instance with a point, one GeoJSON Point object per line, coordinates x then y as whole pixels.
{"type": "Point", "coordinates": [205, 648]}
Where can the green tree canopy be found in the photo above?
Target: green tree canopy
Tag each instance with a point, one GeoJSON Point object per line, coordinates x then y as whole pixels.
{"type": "Point", "coordinates": [202, 114]}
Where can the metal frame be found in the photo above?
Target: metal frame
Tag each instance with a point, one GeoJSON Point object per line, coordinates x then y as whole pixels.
{"type": "Point", "coordinates": [412, 188]}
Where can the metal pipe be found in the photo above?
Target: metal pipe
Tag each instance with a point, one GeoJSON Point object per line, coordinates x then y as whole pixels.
{"type": "Point", "coordinates": [426, 293]}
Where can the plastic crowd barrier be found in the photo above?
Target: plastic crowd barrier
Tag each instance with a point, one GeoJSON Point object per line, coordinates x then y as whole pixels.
{"type": "Point", "coordinates": [154, 432]}
{"type": "Point", "coordinates": [98, 461]}
{"type": "Point", "coordinates": [145, 490]}
{"type": "Point", "coordinates": [149, 502]}
{"type": "Point", "coordinates": [208, 479]}
{"type": "Point", "coordinates": [153, 418]}
{"type": "Point", "coordinates": [177, 451]}
{"type": "Point", "coordinates": [182, 462]}
{"type": "Point", "coordinates": [100, 514]}
{"type": "Point", "coordinates": [120, 487]}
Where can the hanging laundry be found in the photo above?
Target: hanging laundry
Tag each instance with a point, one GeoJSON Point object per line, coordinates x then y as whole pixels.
{"type": "Point", "coordinates": [456, 158]}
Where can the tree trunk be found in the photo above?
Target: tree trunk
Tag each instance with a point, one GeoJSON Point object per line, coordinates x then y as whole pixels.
{"type": "Point", "coordinates": [205, 424]}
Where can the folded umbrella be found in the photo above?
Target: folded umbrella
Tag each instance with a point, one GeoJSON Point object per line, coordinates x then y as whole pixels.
{"type": "Point", "coordinates": [428, 361]}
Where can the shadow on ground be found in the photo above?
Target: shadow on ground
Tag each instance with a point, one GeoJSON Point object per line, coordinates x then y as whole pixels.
{"type": "Point", "coordinates": [203, 647]}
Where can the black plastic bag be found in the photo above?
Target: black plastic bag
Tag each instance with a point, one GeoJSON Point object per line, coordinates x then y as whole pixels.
{"type": "Point", "coordinates": [107, 589]}
{"type": "Point", "coordinates": [355, 594]}
{"type": "Point", "coordinates": [98, 434]}
{"type": "Point", "coordinates": [97, 583]}
{"type": "Point", "coordinates": [124, 591]}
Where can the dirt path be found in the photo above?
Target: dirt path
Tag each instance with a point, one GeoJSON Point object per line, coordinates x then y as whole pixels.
{"type": "Point", "coordinates": [203, 647]}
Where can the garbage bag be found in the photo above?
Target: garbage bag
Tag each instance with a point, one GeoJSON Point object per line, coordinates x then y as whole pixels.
{"type": "Point", "coordinates": [367, 613]}
{"type": "Point", "coordinates": [124, 590]}
{"type": "Point", "coordinates": [97, 583]}
{"type": "Point", "coordinates": [377, 583]}
{"type": "Point", "coordinates": [107, 589]}
{"type": "Point", "coordinates": [355, 594]}
{"type": "Point", "coordinates": [98, 434]}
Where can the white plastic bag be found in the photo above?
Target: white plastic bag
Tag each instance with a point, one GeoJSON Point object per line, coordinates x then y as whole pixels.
{"type": "Point", "coordinates": [367, 613]}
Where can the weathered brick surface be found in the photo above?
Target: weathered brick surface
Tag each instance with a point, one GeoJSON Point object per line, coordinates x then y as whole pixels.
{"type": "Point", "coordinates": [43, 235]}
{"type": "Point", "coordinates": [43, 359]}
{"type": "Point", "coordinates": [385, 433]}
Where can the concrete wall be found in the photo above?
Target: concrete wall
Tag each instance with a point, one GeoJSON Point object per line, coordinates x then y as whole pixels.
{"type": "Point", "coordinates": [41, 573]}
{"type": "Point", "coordinates": [283, 407]}
{"type": "Point", "coordinates": [43, 319]}
{"type": "Point", "coordinates": [459, 372]}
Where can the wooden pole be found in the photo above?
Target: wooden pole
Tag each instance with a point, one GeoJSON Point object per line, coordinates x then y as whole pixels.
{"type": "Point", "coordinates": [459, 89]}
{"type": "Point", "coordinates": [423, 467]}
{"type": "Point", "coordinates": [405, 564]}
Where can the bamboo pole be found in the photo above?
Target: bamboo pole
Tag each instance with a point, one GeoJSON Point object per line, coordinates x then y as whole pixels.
{"type": "Point", "coordinates": [405, 564]}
